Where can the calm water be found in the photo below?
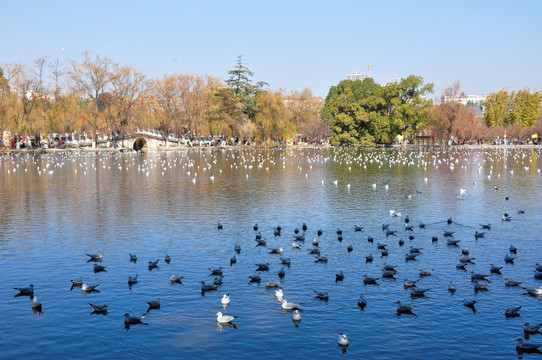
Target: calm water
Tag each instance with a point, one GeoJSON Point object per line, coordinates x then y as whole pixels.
{"type": "Point", "coordinates": [58, 207]}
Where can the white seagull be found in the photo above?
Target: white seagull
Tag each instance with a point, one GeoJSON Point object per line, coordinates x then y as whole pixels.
{"type": "Point", "coordinates": [224, 318]}
{"type": "Point", "coordinates": [225, 299]}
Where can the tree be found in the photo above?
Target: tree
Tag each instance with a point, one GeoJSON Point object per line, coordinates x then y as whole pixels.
{"type": "Point", "coordinates": [271, 120]}
{"type": "Point", "coordinates": [128, 88]}
{"type": "Point", "coordinates": [526, 108]}
{"type": "Point", "coordinates": [240, 80]}
{"type": "Point", "coordinates": [365, 112]}
{"type": "Point", "coordinates": [450, 116]}
{"type": "Point", "coordinates": [497, 108]}
{"type": "Point", "coordinates": [91, 79]}
{"type": "Point", "coordinates": [304, 113]}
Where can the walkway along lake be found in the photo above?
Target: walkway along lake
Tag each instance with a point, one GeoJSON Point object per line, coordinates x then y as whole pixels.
{"type": "Point", "coordinates": [58, 207]}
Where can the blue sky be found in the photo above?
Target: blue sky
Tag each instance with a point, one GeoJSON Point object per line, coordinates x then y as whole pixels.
{"type": "Point", "coordinates": [486, 45]}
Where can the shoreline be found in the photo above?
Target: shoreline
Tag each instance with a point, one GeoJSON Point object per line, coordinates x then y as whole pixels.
{"type": "Point", "coordinates": [121, 150]}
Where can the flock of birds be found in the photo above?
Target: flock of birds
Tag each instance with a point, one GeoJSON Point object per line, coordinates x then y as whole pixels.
{"type": "Point", "coordinates": [300, 237]}
{"type": "Point", "coordinates": [479, 281]}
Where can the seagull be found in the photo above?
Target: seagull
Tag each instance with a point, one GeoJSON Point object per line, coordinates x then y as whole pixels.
{"type": "Point", "coordinates": [154, 304]}
{"type": "Point", "coordinates": [95, 257]}
{"type": "Point", "coordinates": [175, 279]}
{"type": "Point", "coordinates": [224, 318]}
{"type": "Point", "coordinates": [508, 282]}
{"type": "Point", "coordinates": [132, 280]}
{"type": "Point", "coordinates": [339, 276]}
{"type": "Point", "coordinates": [495, 269]}
{"type": "Point", "coordinates": [321, 258]}
{"type": "Point", "coordinates": [526, 347]}
{"type": "Point", "coordinates": [133, 258]}
{"type": "Point", "coordinates": [272, 284]}
{"type": "Point", "coordinates": [296, 246]}
{"type": "Point", "coordinates": [369, 280]}
{"type": "Point", "coordinates": [418, 293]}
{"type": "Point", "coordinates": [233, 260]}
{"type": "Point", "coordinates": [281, 273]}
{"type": "Point", "coordinates": [426, 272]}
{"type": "Point", "coordinates": [276, 251]}
{"type": "Point", "coordinates": [451, 287]}
{"type": "Point", "coordinates": [153, 264]}
{"type": "Point", "coordinates": [132, 320]}
{"type": "Point", "coordinates": [278, 293]}
{"type": "Point", "coordinates": [480, 286]}
{"type": "Point", "coordinates": [89, 288]}
{"type": "Point", "coordinates": [512, 312]}
{"type": "Point", "coordinates": [362, 303]}
{"type": "Point", "coordinates": [255, 279]}
{"type": "Point", "coordinates": [77, 283]}
{"type": "Point", "coordinates": [290, 306]}
{"type": "Point", "coordinates": [262, 267]}
{"type": "Point", "coordinates": [296, 316]}
{"type": "Point", "coordinates": [285, 261]}
{"type": "Point", "coordinates": [470, 304]}
{"type": "Point", "coordinates": [36, 305]}
{"type": "Point", "coordinates": [475, 276]}
{"type": "Point", "coordinates": [322, 295]}
{"type": "Point", "coordinates": [205, 287]}
{"type": "Point", "coordinates": [486, 226]}
{"type": "Point", "coordinates": [342, 340]}
{"type": "Point", "coordinates": [218, 271]}
{"type": "Point", "coordinates": [409, 284]}
{"type": "Point", "coordinates": [219, 226]}
{"type": "Point", "coordinates": [29, 291]}
{"type": "Point", "coordinates": [167, 259]}
{"type": "Point", "coordinates": [99, 268]}
{"type": "Point", "coordinates": [404, 309]}
{"type": "Point", "coordinates": [99, 309]}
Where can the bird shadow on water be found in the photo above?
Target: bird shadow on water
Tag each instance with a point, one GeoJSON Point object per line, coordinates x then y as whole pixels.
{"type": "Point", "coordinates": [230, 325]}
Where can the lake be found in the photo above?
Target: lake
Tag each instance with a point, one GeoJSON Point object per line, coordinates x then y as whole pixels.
{"type": "Point", "coordinates": [58, 207]}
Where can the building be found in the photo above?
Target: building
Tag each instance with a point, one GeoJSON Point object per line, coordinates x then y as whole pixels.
{"type": "Point", "coordinates": [475, 101]}
{"type": "Point", "coordinates": [356, 76]}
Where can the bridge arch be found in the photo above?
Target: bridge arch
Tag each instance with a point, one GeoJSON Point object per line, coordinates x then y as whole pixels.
{"type": "Point", "coordinates": [140, 144]}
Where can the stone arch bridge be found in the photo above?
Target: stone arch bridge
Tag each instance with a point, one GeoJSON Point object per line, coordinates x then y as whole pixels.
{"type": "Point", "coordinates": [146, 142]}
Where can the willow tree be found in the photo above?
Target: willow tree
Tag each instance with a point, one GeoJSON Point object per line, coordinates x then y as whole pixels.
{"type": "Point", "coordinates": [271, 121]}
{"type": "Point", "coordinates": [304, 112]}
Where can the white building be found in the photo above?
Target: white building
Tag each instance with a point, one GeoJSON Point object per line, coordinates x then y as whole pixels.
{"type": "Point", "coordinates": [475, 100]}
{"type": "Point", "coordinates": [356, 76]}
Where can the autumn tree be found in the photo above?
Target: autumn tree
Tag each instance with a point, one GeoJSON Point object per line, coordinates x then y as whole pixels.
{"type": "Point", "coordinates": [525, 108]}
{"type": "Point", "coordinates": [304, 113]}
{"type": "Point", "coordinates": [271, 121]}
{"type": "Point", "coordinates": [497, 108]}
{"type": "Point", "coordinates": [91, 79]}
{"type": "Point", "coordinates": [128, 88]}
{"type": "Point", "coordinates": [450, 116]}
